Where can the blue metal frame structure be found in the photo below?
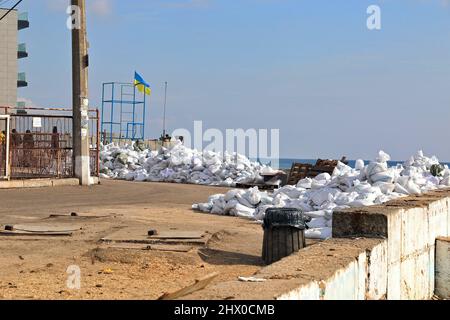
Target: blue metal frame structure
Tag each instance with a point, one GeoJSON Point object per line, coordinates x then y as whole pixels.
{"type": "Point", "coordinates": [129, 122]}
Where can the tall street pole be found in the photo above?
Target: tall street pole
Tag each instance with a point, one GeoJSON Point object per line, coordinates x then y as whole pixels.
{"type": "Point", "coordinates": [80, 62]}
{"type": "Point", "coordinates": [165, 104]}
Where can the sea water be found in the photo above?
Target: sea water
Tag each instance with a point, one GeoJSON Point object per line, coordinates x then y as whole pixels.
{"type": "Point", "coordinates": [287, 163]}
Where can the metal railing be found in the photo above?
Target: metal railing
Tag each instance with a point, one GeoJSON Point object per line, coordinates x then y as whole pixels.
{"type": "Point", "coordinates": [4, 147]}
{"type": "Point", "coordinates": [41, 155]}
{"type": "Point", "coordinates": [41, 142]}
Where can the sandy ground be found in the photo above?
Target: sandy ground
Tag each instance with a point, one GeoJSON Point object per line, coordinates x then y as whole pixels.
{"type": "Point", "coordinates": [36, 267]}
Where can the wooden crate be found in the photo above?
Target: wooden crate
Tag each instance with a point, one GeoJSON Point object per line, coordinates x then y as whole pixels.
{"type": "Point", "coordinates": [301, 171]}
{"type": "Point", "coordinates": [298, 172]}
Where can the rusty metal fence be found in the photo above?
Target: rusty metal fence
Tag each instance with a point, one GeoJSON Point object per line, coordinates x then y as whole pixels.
{"type": "Point", "coordinates": [41, 143]}
{"type": "Point", "coordinates": [4, 149]}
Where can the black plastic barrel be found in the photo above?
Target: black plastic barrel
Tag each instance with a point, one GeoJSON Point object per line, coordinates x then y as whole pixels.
{"type": "Point", "coordinates": [284, 233]}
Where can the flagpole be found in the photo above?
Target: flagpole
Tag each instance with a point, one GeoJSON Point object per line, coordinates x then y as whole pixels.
{"type": "Point", "coordinates": [165, 104]}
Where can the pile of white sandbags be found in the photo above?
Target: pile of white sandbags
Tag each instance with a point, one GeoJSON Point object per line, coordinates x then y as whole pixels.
{"type": "Point", "coordinates": [178, 164]}
{"type": "Point", "coordinates": [347, 187]}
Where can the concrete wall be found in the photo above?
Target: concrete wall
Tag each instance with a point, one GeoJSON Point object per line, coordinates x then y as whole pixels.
{"type": "Point", "coordinates": [410, 226]}
{"type": "Point", "coordinates": [8, 59]}
{"type": "Point", "coordinates": [379, 252]}
{"type": "Point", "coordinates": [443, 268]}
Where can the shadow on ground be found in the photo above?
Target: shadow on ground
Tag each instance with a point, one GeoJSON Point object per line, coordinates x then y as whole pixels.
{"type": "Point", "coordinates": [220, 257]}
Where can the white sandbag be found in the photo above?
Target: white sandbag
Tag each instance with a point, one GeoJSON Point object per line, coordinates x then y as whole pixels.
{"type": "Point", "coordinates": [385, 187]}
{"type": "Point", "coordinates": [317, 214]}
{"type": "Point", "coordinates": [317, 223]}
{"type": "Point", "coordinates": [359, 164]}
{"type": "Point", "coordinates": [253, 196]}
{"type": "Point", "coordinates": [232, 194]}
{"type": "Point", "coordinates": [319, 233]}
{"type": "Point", "coordinates": [323, 177]}
{"type": "Point", "coordinates": [320, 197]}
{"type": "Point", "coordinates": [400, 189]}
{"type": "Point", "coordinates": [375, 170]}
{"type": "Point", "coordinates": [412, 188]}
{"type": "Point", "coordinates": [243, 211]}
{"type": "Point", "coordinates": [445, 181]}
{"type": "Point", "coordinates": [305, 183]}
{"type": "Point", "coordinates": [205, 207]}
{"type": "Point", "coordinates": [290, 191]}
{"type": "Point", "coordinates": [244, 201]}
{"type": "Point", "coordinates": [386, 176]}
{"type": "Point", "coordinates": [383, 156]}
{"type": "Point", "coordinates": [266, 199]}
{"type": "Point", "coordinates": [229, 205]}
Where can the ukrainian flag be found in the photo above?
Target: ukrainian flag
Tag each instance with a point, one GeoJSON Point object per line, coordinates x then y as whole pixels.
{"type": "Point", "coordinates": [141, 85]}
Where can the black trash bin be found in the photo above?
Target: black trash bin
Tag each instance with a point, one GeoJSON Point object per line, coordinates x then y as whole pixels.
{"type": "Point", "coordinates": [284, 233]}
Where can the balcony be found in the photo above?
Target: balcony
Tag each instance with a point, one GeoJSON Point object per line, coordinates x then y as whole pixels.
{"type": "Point", "coordinates": [22, 51]}
{"type": "Point", "coordinates": [23, 22]}
{"type": "Point", "coordinates": [22, 80]}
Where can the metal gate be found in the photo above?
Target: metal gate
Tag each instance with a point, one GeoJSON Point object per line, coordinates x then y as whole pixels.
{"type": "Point", "coordinates": [41, 143]}
{"type": "Point", "coordinates": [4, 147]}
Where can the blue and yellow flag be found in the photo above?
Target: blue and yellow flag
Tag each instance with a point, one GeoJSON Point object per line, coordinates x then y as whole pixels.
{"type": "Point", "coordinates": [141, 85]}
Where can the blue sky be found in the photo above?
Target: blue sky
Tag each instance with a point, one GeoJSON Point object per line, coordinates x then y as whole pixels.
{"type": "Point", "coordinates": [310, 68]}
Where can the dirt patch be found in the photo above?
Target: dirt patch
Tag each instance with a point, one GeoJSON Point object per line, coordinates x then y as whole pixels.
{"type": "Point", "coordinates": [36, 267]}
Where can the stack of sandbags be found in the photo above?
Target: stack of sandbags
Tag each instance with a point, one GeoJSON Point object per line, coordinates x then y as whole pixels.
{"type": "Point", "coordinates": [178, 164]}
{"type": "Point", "coordinates": [347, 187]}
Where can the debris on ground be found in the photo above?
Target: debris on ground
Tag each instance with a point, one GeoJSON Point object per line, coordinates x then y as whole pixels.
{"type": "Point", "coordinates": [251, 279]}
{"type": "Point", "coordinates": [198, 285]}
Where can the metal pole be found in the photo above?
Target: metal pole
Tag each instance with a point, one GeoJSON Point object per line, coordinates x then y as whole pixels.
{"type": "Point", "coordinates": [144, 106]}
{"type": "Point", "coordinates": [112, 114]}
{"type": "Point", "coordinates": [103, 108]}
{"type": "Point", "coordinates": [7, 154]}
{"type": "Point", "coordinates": [80, 62]}
{"type": "Point", "coordinates": [165, 104]}
{"type": "Point", "coordinates": [98, 145]}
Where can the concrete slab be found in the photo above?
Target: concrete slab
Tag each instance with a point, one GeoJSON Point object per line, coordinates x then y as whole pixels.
{"type": "Point", "coordinates": [13, 184]}
{"type": "Point", "coordinates": [38, 183]}
{"type": "Point", "coordinates": [139, 235]}
{"type": "Point", "coordinates": [410, 226]}
{"type": "Point", "coordinates": [377, 273]}
{"type": "Point", "coordinates": [65, 182]}
{"type": "Point", "coordinates": [394, 281]}
{"type": "Point", "coordinates": [342, 274]}
{"type": "Point", "coordinates": [443, 268]}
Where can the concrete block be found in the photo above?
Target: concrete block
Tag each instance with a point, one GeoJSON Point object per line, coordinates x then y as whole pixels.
{"type": "Point", "coordinates": [443, 268]}
{"type": "Point", "coordinates": [362, 276]}
{"type": "Point", "coordinates": [438, 212]}
{"type": "Point", "coordinates": [413, 231]}
{"type": "Point", "coordinates": [407, 271]}
{"type": "Point", "coordinates": [423, 282]}
{"type": "Point", "coordinates": [360, 222]}
{"type": "Point", "coordinates": [448, 218]}
{"type": "Point", "coordinates": [377, 273]}
{"type": "Point", "coordinates": [348, 283]}
{"type": "Point", "coordinates": [394, 281]}
{"type": "Point", "coordinates": [11, 184]}
{"type": "Point", "coordinates": [37, 183]}
{"type": "Point", "coordinates": [65, 182]}
{"type": "Point", "coordinates": [394, 236]}
{"type": "Point", "coordinates": [415, 280]}
{"type": "Point", "coordinates": [310, 291]}
{"type": "Point", "coordinates": [432, 271]}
